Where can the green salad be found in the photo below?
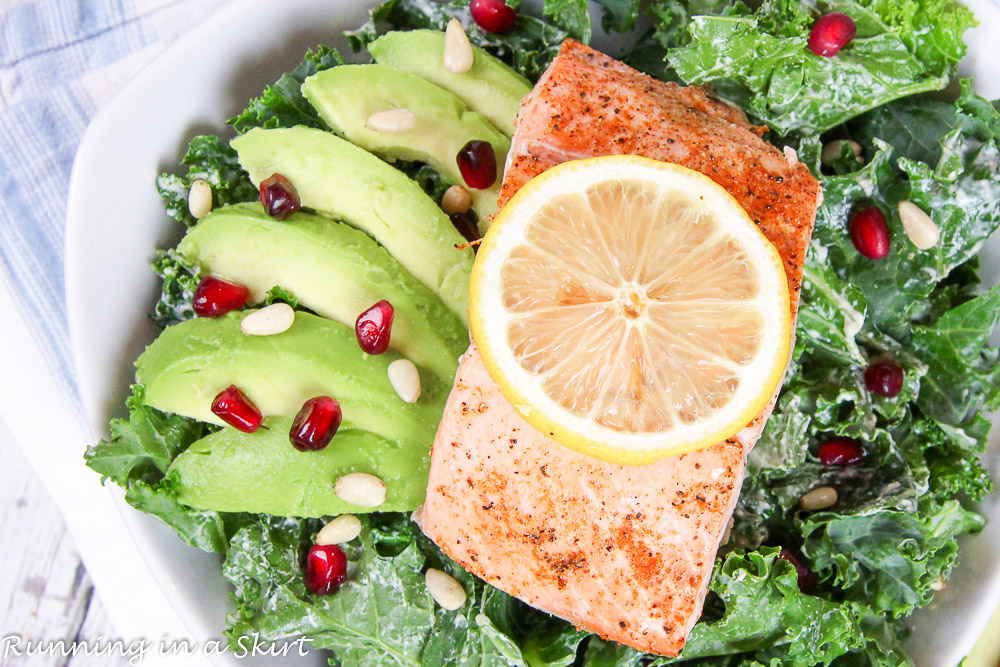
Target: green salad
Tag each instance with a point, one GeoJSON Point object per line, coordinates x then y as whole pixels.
{"type": "Point", "coordinates": [791, 586]}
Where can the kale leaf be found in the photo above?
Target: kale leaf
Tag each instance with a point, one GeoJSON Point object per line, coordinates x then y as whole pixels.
{"type": "Point", "coordinates": [891, 536]}
{"type": "Point", "coordinates": [619, 15]}
{"type": "Point", "coordinates": [963, 371]}
{"type": "Point", "coordinates": [888, 558]}
{"type": "Point", "coordinates": [426, 177]}
{"type": "Point", "coordinates": [282, 104]}
{"type": "Point", "coordinates": [528, 47]}
{"type": "Point", "coordinates": [137, 456]}
{"type": "Point", "coordinates": [383, 615]}
{"type": "Point", "coordinates": [180, 279]}
{"type": "Point", "coordinates": [204, 529]}
{"type": "Point", "coordinates": [956, 473]}
{"type": "Point", "coordinates": [208, 158]}
{"type": "Point", "coordinates": [774, 621]}
{"type": "Point", "coordinates": [280, 294]}
{"type": "Point", "coordinates": [142, 446]}
{"type": "Point", "coordinates": [671, 19]}
{"type": "Point", "coordinates": [763, 603]}
{"type": "Point", "coordinates": [962, 195]}
{"type": "Point", "coordinates": [573, 16]}
{"type": "Point", "coordinates": [915, 125]}
{"type": "Point", "coordinates": [761, 60]}
{"type": "Point", "coordinates": [832, 312]}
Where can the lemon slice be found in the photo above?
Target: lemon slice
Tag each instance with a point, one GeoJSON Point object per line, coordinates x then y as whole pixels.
{"type": "Point", "coordinates": [630, 309]}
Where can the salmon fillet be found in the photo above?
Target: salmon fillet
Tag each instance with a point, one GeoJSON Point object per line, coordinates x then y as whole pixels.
{"type": "Point", "coordinates": [623, 551]}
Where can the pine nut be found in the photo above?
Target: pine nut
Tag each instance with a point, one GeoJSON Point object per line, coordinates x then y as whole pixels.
{"type": "Point", "coordinates": [359, 488]}
{"type": "Point", "coordinates": [831, 151]}
{"type": "Point", "coordinates": [819, 498]}
{"type": "Point", "coordinates": [456, 199]}
{"type": "Point", "coordinates": [457, 49]}
{"type": "Point", "coordinates": [339, 531]}
{"type": "Point", "coordinates": [919, 227]}
{"type": "Point", "coordinates": [200, 199]}
{"type": "Point", "coordinates": [391, 121]}
{"type": "Point", "coordinates": [445, 590]}
{"type": "Point", "coordinates": [405, 379]}
{"type": "Point", "coordinates": [791, 155]}
{"type": "Point", "coordinates": [729, 531]}
{"type": "Point", "coordinates": [268, 321]}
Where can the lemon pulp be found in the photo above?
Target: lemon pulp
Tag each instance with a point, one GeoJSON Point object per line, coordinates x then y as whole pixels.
{"type": "Point", "coordinates": [630, 309]}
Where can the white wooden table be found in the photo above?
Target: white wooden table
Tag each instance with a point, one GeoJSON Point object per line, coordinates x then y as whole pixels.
{"type": "Point", "coordinates": [46, 588]}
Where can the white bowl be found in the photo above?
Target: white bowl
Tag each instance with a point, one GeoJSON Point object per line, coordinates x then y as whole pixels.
{"type": "Point", "coordinates": [115, 221]}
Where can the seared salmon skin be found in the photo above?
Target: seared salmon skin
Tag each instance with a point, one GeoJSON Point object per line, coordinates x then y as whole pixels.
{"type": "Point", "coordinates": [622, 551]}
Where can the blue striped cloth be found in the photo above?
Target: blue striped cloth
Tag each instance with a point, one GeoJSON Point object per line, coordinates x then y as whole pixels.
{"type": "Point", "coordinates": [60, 61]}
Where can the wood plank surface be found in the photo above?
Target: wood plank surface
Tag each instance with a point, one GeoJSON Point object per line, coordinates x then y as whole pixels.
{"type": "Point", "coordinates": [45, 590]}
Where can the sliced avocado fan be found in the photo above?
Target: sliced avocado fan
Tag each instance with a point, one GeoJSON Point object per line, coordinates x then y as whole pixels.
{"type": "Point", "coordinates": [346, 96]}
{"type": "Point", "coordinates": [343, 181]}
{"type": "Point", "coordinates": [333, 269]}
{"type": "Point", "coordinates": [230, 471]}
{"type": "Point", "coordinates": [186, 367]}
{"type": "Point", "coordinates": [490, 87]}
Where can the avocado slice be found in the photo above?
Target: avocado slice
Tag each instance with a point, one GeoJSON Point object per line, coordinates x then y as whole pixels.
{"type": "Point", "coordinates": [230, 471]}
{"type": "Point", "coordinates": [334, 269]}
{"type": "Point", "coordinates": [191, 362]}
{"type": "Point", "coordinates": [490, 87]}
{"type": "Point", "coordinates": [346, 96]}
{"type": "Point", "coordinates": [338, 179]}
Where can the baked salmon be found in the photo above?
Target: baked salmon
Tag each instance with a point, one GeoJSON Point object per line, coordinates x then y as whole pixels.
{"type": "Point", "coordinates": [622, 551]}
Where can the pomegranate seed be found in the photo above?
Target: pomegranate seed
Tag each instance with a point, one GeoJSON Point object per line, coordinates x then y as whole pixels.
{"type": "Point", "coordinates": [492, 15]}
{"type": "Point", "coordinates": [279, 197]}
{"type": "Point", "coordinates": [215, 297]}
{"type": "Point", "coordinates": [478, 164]}
{"type": "Point", "coordinates": [316, 423]}
{"type": "Point", "coordinates": [463, 223]}
{"type": "Point", "coordinates": [807, 578]}
{"type": "Point", "coordinates": [831, 33]}
{"type": "Point", "coordinates": [233, 407]}
{"type": "Point", "coordinates": [884, 378]}
{"type": "Point", "coordinates": [870, 233]}
{"type": "Point", "coordinates": [374, 327]}
{"type": "Point", "coordinates": [841, 452]}
{"type": "Point", "coordinates": [326, 569]}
